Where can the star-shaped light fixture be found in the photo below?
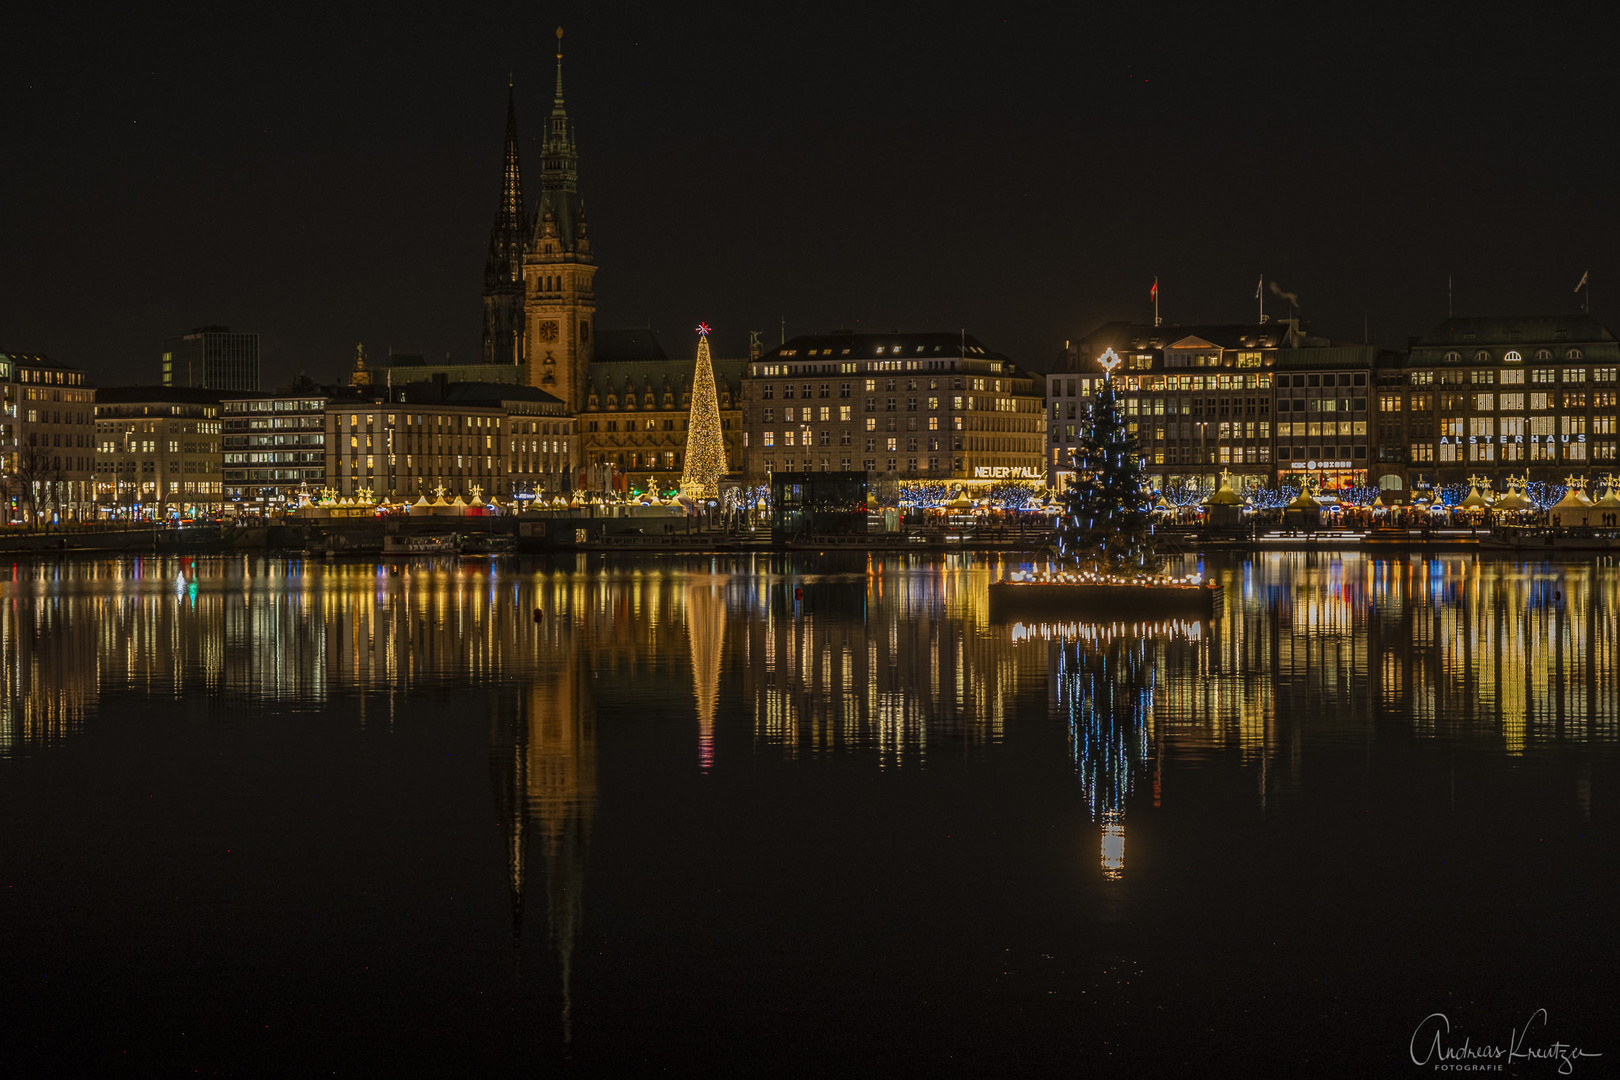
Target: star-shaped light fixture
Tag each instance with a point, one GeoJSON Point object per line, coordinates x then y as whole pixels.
{"type": "Point", "coordinates": [703, 328]}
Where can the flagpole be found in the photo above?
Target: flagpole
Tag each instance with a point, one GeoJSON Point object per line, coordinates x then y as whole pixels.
{"type": "Point", "coordinates": [1260, 295]}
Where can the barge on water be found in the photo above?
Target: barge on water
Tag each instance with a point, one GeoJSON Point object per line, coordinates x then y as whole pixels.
{"type": "Point", "coordinates": [1120, 600]}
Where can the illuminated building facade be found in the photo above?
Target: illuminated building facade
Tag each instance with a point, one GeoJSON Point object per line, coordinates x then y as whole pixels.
{"type": "Point", "coordinates": [1500, 397]}
{"type": "Point", "coordinates": [212, 357]}
{"type": "Point", "coordinates": [503, 440]}
{"type": "Point", "coordinates": [158, 451]}
{"type": "Point", "coordinates": [275, 446]}
{"type": "Point", "coordinates": [936, 406]}
{"type": "Point", "coordinates": [1263, 403]}
{"type": "Point", "coordinates": [47, 439]}
{"type": "Point", "coordinates": [637, 405]}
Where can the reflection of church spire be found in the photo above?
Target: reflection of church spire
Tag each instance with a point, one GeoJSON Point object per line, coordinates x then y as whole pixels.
{"type": "Point", "coordinates": [543, 768]}
{"type": "Point", "coordinates": [508, 773]}
{"type": "Point", "coordinates": [561, 805]}
{"type": "Point", "coordinates": [706, 634]}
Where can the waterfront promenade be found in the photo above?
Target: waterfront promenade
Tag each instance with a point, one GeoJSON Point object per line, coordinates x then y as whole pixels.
{"type": "Point", "coordinates": [542, 534]}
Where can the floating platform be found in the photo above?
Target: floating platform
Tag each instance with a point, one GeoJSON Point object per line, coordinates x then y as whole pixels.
{"type": "Point", "coordinates": [1124, 602]}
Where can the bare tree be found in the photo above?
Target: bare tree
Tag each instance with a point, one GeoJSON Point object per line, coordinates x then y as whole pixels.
{"type": "Point", "coordinates": [35, 480]}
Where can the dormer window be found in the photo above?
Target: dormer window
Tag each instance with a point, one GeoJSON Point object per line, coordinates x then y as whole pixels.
{"type": "Point", "coordinates": [1482, 357]}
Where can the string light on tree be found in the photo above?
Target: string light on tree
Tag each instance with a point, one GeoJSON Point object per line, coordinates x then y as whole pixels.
{"type": "Point", "coordinates": [1104, 526]}
{"type": "Point", "coordinates": [705, 447]}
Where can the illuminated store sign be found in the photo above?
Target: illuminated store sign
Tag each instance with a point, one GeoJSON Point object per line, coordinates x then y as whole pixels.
{"type": "Point", "coordinates": [1002, 472]}
{"type": "Point", "coordinates": [1313, 465]}
{"type": "Point", "coordinates": [1457, 440]}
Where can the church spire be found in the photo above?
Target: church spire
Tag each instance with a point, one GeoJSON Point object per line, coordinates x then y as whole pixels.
{"type": "Point", "coordinates": [503, 266]}
{"type": "Point", "coordinates": [557, 216]}
{"type": "Point", "coordinates": [505, 262]}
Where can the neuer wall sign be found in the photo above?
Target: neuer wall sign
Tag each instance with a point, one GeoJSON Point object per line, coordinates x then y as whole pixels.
{"type": "Point", "coordinates": [1002, 472]}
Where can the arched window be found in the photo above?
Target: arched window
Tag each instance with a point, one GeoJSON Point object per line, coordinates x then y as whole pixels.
{"type": "Point", "coordinates": [1573, 354]}
{"type": "Point", "coordinates": [1512, 356]}
{"type": "Point", "coordinates": [1543, 354]}
{"type": "Point", "coordinates": [1453, 357]}
{"type": "Point", "coordinates": [1482, 357]}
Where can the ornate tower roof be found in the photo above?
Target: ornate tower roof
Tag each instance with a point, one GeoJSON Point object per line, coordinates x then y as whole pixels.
{"type": "Point", "coordinates": [505, 262]}
{"type": "Point", "coordinates": [560, 216]}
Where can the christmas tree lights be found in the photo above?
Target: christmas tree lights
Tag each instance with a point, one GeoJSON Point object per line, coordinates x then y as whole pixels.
{"type": "Point", "coordinates": [1104, 526]}
{"type": "Point", "coordinates": [705, 448]}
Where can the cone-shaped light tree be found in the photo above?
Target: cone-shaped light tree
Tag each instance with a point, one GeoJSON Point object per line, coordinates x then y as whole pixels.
{"type": "Point", "coordinates": [705, 448]}
{"type": "Point", "coordinates": [1105, 524]}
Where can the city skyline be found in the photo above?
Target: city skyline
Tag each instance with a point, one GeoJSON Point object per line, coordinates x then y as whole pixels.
{"type": "Point", "coordinates": [858, 154]}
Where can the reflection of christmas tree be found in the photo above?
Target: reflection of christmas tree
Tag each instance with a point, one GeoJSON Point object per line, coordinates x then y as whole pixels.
{"type": "Point", "coordinates": [1104, 524]}
{"type": "Point", "coordinates": [706, 633]}
{"type": "Point", "coordinates": [705, 449]}
{"type": "Point", "coordinates": [1106, 687]}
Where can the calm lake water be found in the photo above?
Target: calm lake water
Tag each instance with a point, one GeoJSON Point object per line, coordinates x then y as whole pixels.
{"type": "Point", "coordinates": [757, 814]}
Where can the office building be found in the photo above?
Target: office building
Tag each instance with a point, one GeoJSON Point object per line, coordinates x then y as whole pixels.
{"type": "Point", "coordinates": [212, 357]}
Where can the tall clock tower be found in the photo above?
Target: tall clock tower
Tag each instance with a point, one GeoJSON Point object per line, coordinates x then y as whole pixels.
{"type": "Point", "coordinates": [559, 300]}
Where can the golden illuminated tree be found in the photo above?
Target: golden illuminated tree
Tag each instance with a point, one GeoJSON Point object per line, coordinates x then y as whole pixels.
{"type": "Point", "coordinates": [705, 449]}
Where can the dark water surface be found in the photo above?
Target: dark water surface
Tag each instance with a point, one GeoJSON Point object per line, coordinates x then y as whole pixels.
{"type": "Point", "coordinates": [261, 817]}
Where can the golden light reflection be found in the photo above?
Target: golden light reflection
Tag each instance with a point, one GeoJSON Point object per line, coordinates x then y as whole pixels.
{"type": "Point", "coordinates": [888, 660]}
{"type": "Point", "coordinates": [706, 637]}
{"type": "Point", "coordinates": [1113, 845]}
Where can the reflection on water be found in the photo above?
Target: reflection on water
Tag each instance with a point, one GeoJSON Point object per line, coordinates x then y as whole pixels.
{"type": "Point", "coordinates": [543, 769]}
{"type": "Point", "coordinates": [884, 662]}
{"type": "Point", "coordinates": [1103, 684]}
{"type": "Point", "coordinates": [878, 662]}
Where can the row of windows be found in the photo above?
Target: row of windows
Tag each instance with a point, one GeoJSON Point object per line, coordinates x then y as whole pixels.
{"type": "Point", "coordinates": [1492, 402]}
{"type": "Point", "coordinates": [1512, 356]}
{"type": "Point", "coordinates": [768, 390]}
{"type": "Point", "coordinates": [304, 405]}
{"type": "Point", "coordinates": [880, 350]}
{"type": "Point", "coordinates": [1601, 376]}
{"type": "Point", "coordinates": [843, 464]}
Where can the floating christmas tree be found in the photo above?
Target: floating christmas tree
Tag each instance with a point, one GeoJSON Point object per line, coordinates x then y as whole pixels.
{"type": "Point", "coordinates": [1104, 525]}
{"type": "Point", "coordinates": [705, 449]}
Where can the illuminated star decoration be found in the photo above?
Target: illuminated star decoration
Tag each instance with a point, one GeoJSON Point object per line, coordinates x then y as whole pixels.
{"type": "Point", "coordinates": [703, 328]}
{"type": "Point", "coordinates": [1109, 361]}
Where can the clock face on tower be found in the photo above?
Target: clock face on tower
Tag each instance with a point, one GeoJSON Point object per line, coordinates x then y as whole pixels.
{"type": "Point", "coordinates": [548, 330]}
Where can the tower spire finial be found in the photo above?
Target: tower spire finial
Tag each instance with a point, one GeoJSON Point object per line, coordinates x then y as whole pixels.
{"type": "Point", "coordinates": [559, 98]}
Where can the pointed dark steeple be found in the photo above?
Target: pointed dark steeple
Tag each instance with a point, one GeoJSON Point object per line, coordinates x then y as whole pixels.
{"type": "Point", "coordinates": [559, 173]}
{"type": "Point", "coordinates": [503, 268]}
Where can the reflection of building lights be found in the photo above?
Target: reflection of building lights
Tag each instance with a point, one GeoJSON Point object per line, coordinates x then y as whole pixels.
{"type": "Point", "coordinates": [1113, 845]}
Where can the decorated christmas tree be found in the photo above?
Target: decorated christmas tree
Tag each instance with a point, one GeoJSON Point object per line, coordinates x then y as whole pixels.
{"type": "Point", "coordinates": [1104, 525]}
{"type": "Point", "coordinates": [705, 448]}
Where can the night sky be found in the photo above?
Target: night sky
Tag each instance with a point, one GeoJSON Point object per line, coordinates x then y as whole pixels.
{"type": "Point", "coordinates": [330, 176]}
